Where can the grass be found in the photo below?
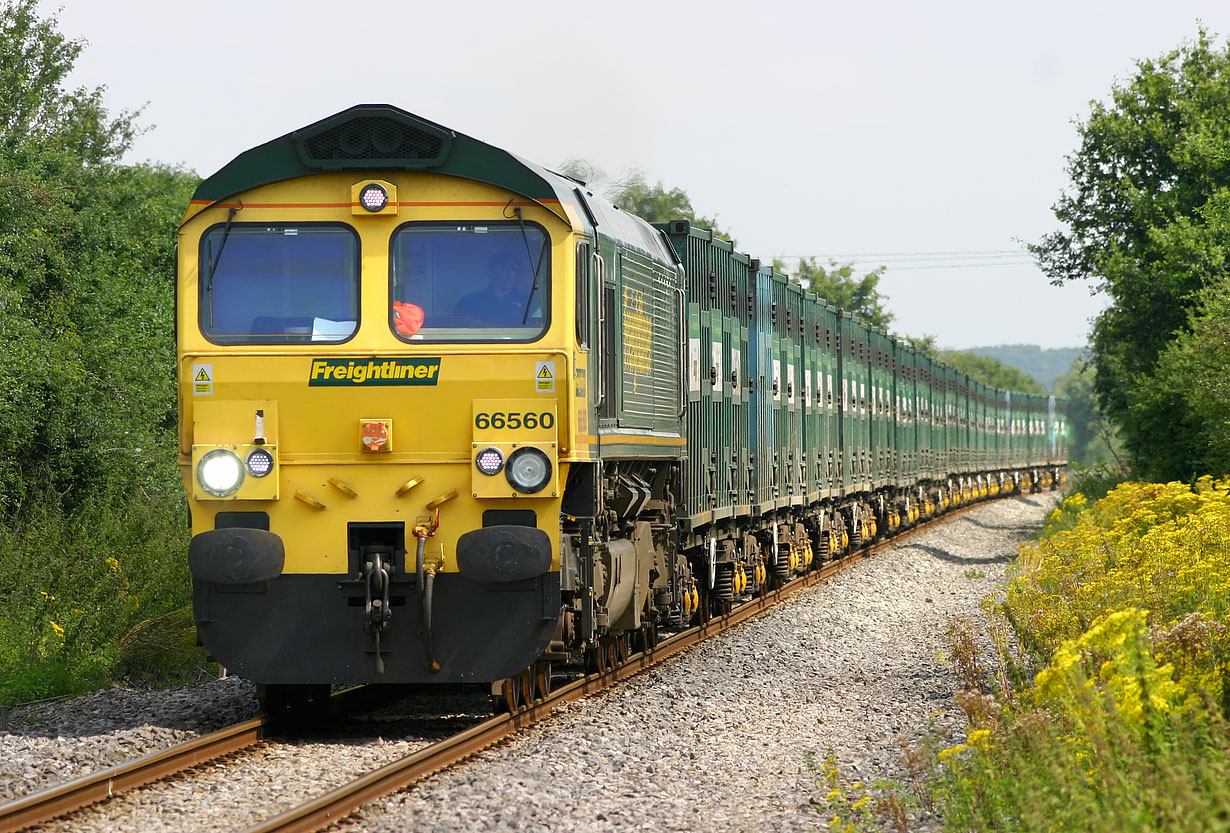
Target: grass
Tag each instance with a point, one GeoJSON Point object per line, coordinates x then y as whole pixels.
{"type": "Point", "coordinates": [78, 583]}
{"type": "Point", "coordinates": [1040, 770]}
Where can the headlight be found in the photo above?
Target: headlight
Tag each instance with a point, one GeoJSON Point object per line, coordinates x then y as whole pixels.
{"type": "Point", "coordinates": [220, 472]}
{"type": "Point", "coordinates": [490, 460]}
{"type": "Point", "coordinates": [259, 462]}
{"type": "Point", "coordinates": [528, 470]}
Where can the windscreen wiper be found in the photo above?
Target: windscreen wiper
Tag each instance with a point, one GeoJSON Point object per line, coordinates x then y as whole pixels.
{"type": "Point", "coordinates": [533, 288]}
{"type": "Point", "coordinates": [213, 261]}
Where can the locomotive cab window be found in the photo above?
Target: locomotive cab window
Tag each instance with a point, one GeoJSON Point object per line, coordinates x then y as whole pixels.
{"type": "Point", "coordinates": [481, 282]}
{"type": "Point", "coordinates": [583, 294]}
{"type": "Point", "coordinates": [279, 284]}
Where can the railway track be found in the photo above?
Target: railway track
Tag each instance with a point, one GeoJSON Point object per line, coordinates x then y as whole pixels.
{"type": "Point", "coordinates": [81, 792]}
{"type": "Point", "coordinates": [337, 803]}
{"type": "Point", "coordinates": [57, 801]}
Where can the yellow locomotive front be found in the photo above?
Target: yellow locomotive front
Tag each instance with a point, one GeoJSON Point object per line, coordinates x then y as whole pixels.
{"type": "Point", "coordinates": [378, 412]}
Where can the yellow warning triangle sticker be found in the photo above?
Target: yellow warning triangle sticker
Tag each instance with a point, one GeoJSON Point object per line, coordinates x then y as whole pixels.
{"type": "Point", "coordinates": [202, 376]}
{"type": "Point", "coordinates": [545, 373]}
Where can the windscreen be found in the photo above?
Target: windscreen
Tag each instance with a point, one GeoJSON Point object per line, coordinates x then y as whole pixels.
{"type": "Point", "coordinates": [470, 282]}
{"type": "Point", "coordinates": [279, 284]}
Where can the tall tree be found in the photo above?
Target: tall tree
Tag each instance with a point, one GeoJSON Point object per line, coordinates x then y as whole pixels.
{"type": "Point", "coordinates": [1146, 219]}
{"type": "Point", "coordinates": [86, 291]}
{"type": "Point", "coordinates": [1093, 441]}
{"type": "Point", "coordinates": [928, 343]}
{"type": "Point", "coordinates": [1184, 405]}
{"type": "Point", "coordinates": [838, 285]}
{"type": "Point", "coordinates": [35, 60]}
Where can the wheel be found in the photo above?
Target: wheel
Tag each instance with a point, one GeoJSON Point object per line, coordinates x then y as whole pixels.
{"type": "Point", "coordinates": [604, 657]}
{"type": "Point", "coordinates": [509, 698]}
{"type": "Point", "coordinates": [646, 638]}
{"type": "Point", "coordinates": [516, 693]}
{"type": "Point", "coordinates": [542, 679]}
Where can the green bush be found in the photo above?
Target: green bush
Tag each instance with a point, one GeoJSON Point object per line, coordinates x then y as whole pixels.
{"type": "Point", "coordinates": [92, 511]}
{"type": "Point", "coordinates": [1095, 482]}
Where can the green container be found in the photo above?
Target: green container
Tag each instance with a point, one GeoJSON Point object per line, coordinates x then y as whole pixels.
{"type": "Point", "coordinates": [854, 372]}
{"type": "Point", "coordinates": [820, 426]}
{"type": "Point", "coordinates": [719, 471]}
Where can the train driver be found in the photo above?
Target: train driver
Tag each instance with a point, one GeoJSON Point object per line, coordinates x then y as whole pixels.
{"type": "Point", "coordinates": [502, 302]}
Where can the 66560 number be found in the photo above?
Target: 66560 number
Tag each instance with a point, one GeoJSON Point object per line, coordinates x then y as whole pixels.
{"type": "Point", "coordinates": [514, 419]}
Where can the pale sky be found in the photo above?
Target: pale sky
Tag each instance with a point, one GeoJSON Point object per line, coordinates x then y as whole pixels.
{"type": "Point", "coordinates": [926, 136]}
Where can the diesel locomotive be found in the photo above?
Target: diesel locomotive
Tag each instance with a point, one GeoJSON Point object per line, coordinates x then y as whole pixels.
{"type": "Point", "coordinates": [447, 416]}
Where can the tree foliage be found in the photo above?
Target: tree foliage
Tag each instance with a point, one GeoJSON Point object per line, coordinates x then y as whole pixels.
{"type": "Point", "coordinates": [632, 192]}
{"type": "Point", "coordinates": [986, 369]}
{"type": "Point", "coordinates": [838, 285]}
{"type": "Point", "coordinates": [927, 343]}
{"type": "Point", "coordinates": [991, 371]}
{"type": "Point", "coordinates": [35, 59]}
{"type": "Point", "coordinates": [91, 503]}
{"type": "Point", "coordinates": [1147, 220]}
{"type": "Point", "coordinates": [1046, 364]}
{"type": "Point", "coordinates": [656, 203]}
{"type": "Point", "coordinates": [1093, 442]}
{"type": "Point", "coordinates": [1183, 405]}
{"type": "Point", "coordinates": [86, 292]}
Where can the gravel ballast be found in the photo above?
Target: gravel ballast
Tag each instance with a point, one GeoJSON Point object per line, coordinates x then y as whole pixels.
{"type": "Point", "coordinates": [716, 739]}
{"type": "Point", "coordinates": [719, 739]}
{"type": "Point", "coordinates": [45, 745]}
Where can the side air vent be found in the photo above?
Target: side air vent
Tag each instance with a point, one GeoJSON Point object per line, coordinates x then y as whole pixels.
{"type": "Point", "coordinates": [354, 140]}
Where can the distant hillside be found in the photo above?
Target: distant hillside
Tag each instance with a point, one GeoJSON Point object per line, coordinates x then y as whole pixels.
{"type": "Point", "coordinates": [1043, 365]}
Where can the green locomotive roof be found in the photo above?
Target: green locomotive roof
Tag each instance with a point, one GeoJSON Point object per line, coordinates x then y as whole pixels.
{"type": "Point", "coordinates": [381, 137]}
{"type": "Point", "coordinates": [371, 137]}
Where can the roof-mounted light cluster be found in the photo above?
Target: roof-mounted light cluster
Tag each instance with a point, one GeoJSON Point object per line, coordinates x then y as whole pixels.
{"type": "Point", "coordinates": [373, 196]}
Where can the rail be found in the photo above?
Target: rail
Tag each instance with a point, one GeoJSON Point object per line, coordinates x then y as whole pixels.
{"type": "Point", "coordinates": [340, 802]}
{"type": "Point", "coordinates": [42, 806]}
{"type": "Point", "coordinates": [57, 801]}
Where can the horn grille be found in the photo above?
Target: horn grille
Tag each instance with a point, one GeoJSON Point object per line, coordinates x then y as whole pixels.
{"type": "Point", "coordinates": [373, 141]}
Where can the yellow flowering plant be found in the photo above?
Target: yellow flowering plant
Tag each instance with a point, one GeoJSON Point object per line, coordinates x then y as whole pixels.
{"type": "Point", "coordinates": [1161, 547]}
{"type": "Point", "coordinates": [1124, 606]}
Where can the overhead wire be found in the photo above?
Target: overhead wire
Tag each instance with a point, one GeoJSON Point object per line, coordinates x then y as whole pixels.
{"type": "Point", "coordinates": [974, 252]}
{"type": "Point", "coordinates": [909, 261]}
